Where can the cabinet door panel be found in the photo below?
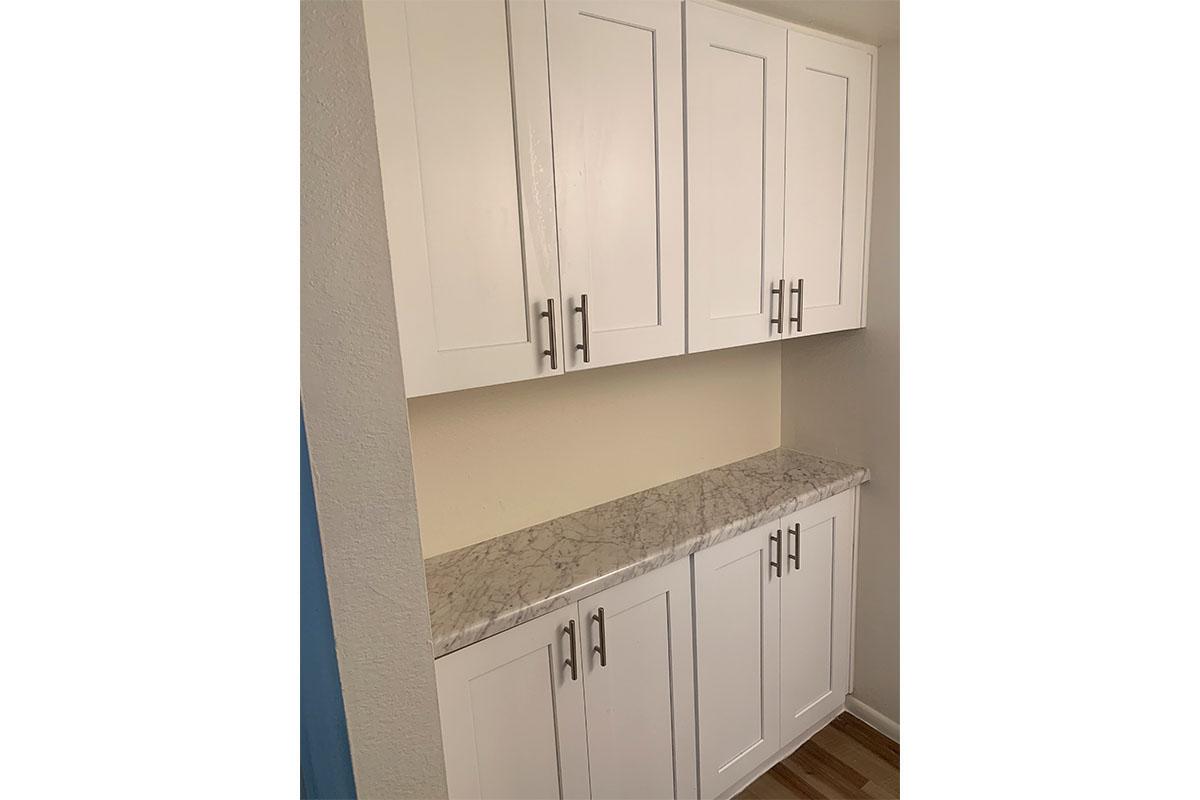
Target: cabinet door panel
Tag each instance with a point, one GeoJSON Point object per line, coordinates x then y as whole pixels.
{"type": "Point", "coordinates": [814, 617]}
{"type": "Point", "coordinates": [463, 123]}
{"type": "Point", "coordinates": [737, 657]}
{"type": "Point", "coordinates": [735, 106]}
{"type": "Point", "coordinates": [616, 81]}
{"type": "Point", "coordinates": [512, 717]}
{"type": "Point", "coordinates": [640, 703]}
{"type": "Point", "coordinates": [828, 144]}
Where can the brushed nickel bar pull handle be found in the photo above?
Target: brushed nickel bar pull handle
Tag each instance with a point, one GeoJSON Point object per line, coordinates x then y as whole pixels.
{"type": "Point", "coordinates": [572, 662]}
{"type": "Point", "coordinates": [601, 648]}
{"type": "Point", "coordinates": [553, 351]}
{"type": "Point", "coordinates": [799, 292]}
{"type": "Point", "coordinates": [800, 308]}
{"type": "Point", "coordinates": [777, 540]}
{"type": "Point", "coordinates": [776, 320]}
{"type": "Point", "coordinates": [794, 557]}
{"type": "Point", "coordinates": [586, 347]}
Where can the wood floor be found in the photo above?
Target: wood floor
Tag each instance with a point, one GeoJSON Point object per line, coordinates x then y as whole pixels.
{"type": "Point", "coordinates": [845, 759]}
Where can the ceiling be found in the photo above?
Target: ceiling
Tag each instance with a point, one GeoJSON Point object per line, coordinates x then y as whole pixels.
{"type": "Point", "coordinates": [869, 21]}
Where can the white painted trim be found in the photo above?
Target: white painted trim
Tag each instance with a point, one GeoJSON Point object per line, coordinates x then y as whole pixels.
{"type": "Point", "coordinates": [854, 586]}
{"type": "Point", "coordinates": [862, 313]}
{"type": "Point", "coordinates": [786, 751]}
{"type": "Point", "coordinates": [888, 727]}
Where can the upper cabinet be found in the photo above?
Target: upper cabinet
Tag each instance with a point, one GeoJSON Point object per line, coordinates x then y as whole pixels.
{"type": "Point", "coordinates": [616, 89]}
{"type": "Point", "coordinates": [736, 93]}
{"type": "Point", "coordinates": [463, 119]}
{"type": "Point", "coordinates": [534, 177]}
{"type": "Point", "coordinates": [829, 91]}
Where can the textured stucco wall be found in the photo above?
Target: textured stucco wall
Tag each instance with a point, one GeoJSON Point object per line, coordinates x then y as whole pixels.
{"type": "Point", "coordinates": [352, 386]}
{"type": "Point", "coordinates": [493, 460]}
{"type": "Point", "coordinates": [841, 398]}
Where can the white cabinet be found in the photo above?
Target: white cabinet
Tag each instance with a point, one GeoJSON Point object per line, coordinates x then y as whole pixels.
{"type": "Point", "coordinates": [512, 717]}
{"type": "Point", "coordinates": [515, 721]}
{"type": "Point", "coordinates": [516, 254]}
{"type": "Point", "coordinates": [533, 164]}
{"type": "Point", "coordinates": [736, 93]}
{"type": "Point", "coordinates": [829, 91]}
{"type": "Point", "coordinates": [462, 117]}
{"type": "Point", "coordinates": [616, 87]}
{"type": "Point", "coordinates": [772, 637]}
{"type": "Point", "coordinates": [641, 726]}
{"type": "Point", "coordinates": [737, 656]}
{"type": "Point", "coordinates": [814, 613]}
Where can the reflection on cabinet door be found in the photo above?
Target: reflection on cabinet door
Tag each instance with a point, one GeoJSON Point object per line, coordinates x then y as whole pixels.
{"type": "Point", "coordinates": [814, 616]}
{"type": "Point", "coordinates": [735, 110]}
{"type": "Point", "coordinates": [641, 722]}
{"type": "Point", "coordinates": [828, 155]}
{"type": "Point", "coordinates": [463, 123]}
{"type": "Point", "coordinates": [512, 716]}
{"type": "Point", "coordinates": [737, 656]}
{"type": "Point", "coordinates": [616, 83]}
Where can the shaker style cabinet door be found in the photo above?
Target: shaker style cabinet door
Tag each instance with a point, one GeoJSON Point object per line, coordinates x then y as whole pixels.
{"type": "Point", "coordinates": [513, 716]}
{"type": "Point", "coordinates": [641, 726]}
{"type": "Point", "coordinates": [616, 86]}
{"type": "Point", "coordinates": [829, 90]}
{"type": "Point", "coordinates": [736, 73]}
{"type": "Point", "coordinates": [814, 617]}
{"type": "Point", "coordinates": [737, 656]}
{"type": "Point", "coordinates": [463, 121]}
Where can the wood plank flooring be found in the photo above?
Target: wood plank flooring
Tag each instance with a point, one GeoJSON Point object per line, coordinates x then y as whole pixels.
{"type": "Point", "coordinates": [847, 759]}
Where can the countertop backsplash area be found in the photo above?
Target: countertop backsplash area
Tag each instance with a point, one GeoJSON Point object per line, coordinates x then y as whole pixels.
{"type": "Point", "coordinates": [497, 459]}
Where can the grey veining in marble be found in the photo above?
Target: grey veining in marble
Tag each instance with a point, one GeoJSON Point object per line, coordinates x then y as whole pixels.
{"type": "Point", "coordinates": [491, 586]}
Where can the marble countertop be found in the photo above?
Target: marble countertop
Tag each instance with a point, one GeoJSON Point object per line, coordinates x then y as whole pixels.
{"type": "Point", "coordinates": [489, 587]}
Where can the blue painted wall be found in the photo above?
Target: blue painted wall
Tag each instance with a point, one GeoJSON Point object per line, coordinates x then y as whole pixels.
{"type": "Point", "coordinates": [325, 770]}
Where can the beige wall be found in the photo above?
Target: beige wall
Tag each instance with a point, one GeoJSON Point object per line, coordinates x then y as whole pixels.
{"type": "Point", "coordinates": [493, 460]}
{"type": "Point", "coordinates": [352, 387]}
{"type": "Point", "coordinates": [841, 397]}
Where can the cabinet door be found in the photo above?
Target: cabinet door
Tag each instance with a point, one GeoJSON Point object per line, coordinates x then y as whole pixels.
{"type": "Point", "coordinates": [736, 72]}
{"type": "Point", "coordinates": [828, 154]}
{"type": "Point", "coordinates": [463, 120]}
{"type": "Point", "coordinates": [512, 716]}
{"type": "Point", "coordinates": [640, 700]}
{"type": "Point", "coordinates": [616, 83]}
{"type": "Point", "coordinates": [814, 616]}
{"type": "Point", "coordinates": [737, 657]}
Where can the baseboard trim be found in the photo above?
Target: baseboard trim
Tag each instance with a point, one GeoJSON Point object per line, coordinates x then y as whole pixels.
{"type": "Point", "coordinates": [885, 725]}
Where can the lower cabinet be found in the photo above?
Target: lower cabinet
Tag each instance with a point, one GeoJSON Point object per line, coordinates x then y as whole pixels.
{"type": "Point", "coordinates": [772, 637]}
{"type": "Point", "coordinates": [596, 700]}
{"type": "Point", "coordinates": [814, 613]}
{"type": "Point", "coordinates": [737, 656]}
{"type": "Point", "coordinates": [622, 696]}
{"type": "Point", "coordinates": [512, 717]}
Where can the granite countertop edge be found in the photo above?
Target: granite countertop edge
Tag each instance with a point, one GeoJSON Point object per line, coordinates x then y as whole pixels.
{"type": "Point", "coordinates": [455, 626]}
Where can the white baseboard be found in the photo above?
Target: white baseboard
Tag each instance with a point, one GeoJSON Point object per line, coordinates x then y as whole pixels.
{"type": "Point", "coordinates": [888, 727]}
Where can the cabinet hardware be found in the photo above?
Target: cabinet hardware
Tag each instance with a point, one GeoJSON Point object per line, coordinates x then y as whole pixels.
{"type": "Point", "coordinates": [553, 351]}
{"type": "Point", "coordinates": [572, 662]}
{"type": "Point", "coordinates": [776, 290]}
{"type": "Point", "coordinates": [798, 290]}
{"type": "Point", "coordinates": [586, 347]}
{"type": "Point", "coordinates": [601, 648]}
{"type": "Point", "coordinates": [777, 540]}
{"type": "Point", "coordinates": [794, 557]}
